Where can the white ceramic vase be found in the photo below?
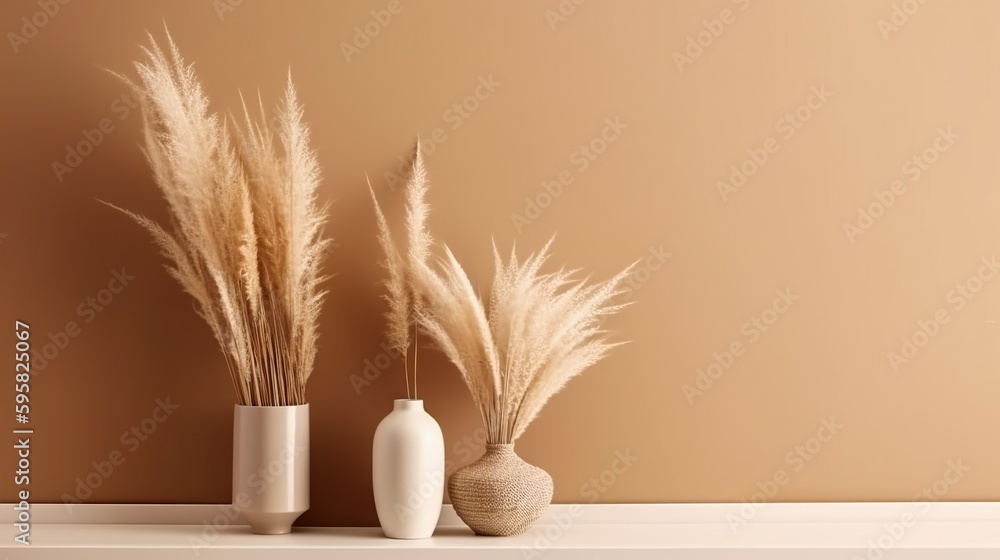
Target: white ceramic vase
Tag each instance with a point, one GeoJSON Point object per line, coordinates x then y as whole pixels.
{"type": "Point", "coordinates": [271, 466]}
{"type": "Point", "coordinates": [408, 471]}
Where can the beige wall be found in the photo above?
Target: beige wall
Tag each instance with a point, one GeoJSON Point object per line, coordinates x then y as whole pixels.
{"type": "Point", "coordinates": [652, 191]}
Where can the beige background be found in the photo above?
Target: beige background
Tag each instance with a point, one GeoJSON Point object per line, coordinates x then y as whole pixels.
{"type": "Point", "coordinates": [653, 189]}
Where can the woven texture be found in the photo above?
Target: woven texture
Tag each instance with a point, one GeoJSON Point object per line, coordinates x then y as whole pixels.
{"type": "Point", "coordinates": [500, 495]}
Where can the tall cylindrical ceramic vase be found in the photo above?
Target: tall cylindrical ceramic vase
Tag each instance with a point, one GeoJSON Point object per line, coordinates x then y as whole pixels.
{"type": "Point", "coordinates": [271, 466]}
{"type": "Point", "coordinates": [408, 471]}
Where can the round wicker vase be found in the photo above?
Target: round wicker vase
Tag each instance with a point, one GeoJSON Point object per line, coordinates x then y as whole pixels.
{"type": "Point", "coordinates": [500, 495]}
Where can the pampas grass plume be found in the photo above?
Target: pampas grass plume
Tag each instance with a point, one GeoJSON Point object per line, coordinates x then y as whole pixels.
{"type": "Point", "coordinates": [246, 240]}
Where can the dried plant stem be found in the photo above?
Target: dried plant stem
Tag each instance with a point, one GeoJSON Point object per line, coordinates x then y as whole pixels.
{"type": "Point", "coordinates": [247, 240]}
{"type": "Point", "coordinates": [416, 346]}
{"type": "Point", "coordinates": [540, 331]}
{"type": "Point", "coordinates": [404, 301]}
{"type": "Point", "coordinates": [406, 374]}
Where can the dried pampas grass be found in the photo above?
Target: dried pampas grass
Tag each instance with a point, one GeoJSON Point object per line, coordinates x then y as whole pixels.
{"type": "Point", "coordinates": [541, 330]}
{"type": "Point", "coordinates": [405, 304]}
{"type": "Point", "coordinates": [247, 239]}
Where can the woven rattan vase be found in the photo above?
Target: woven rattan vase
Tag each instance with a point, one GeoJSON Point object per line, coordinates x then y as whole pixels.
{"type": "Point", "coordinates": [500, 495]}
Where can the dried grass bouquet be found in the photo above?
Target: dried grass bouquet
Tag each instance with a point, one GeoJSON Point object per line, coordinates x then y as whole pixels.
{"type": "Point", "coordinates": [540, 331]}
{"type": "Point", "coordinates": [405, 302]}
{"type": "Point", "coordinates": [246, 240]}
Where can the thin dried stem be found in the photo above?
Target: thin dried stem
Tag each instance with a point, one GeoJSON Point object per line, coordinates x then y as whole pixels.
{"type": "Point", "coordinates": [405, 302]}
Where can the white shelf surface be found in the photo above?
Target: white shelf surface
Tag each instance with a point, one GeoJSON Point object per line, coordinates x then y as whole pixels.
{"type": "Point", "coordinates": [948, 531]}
